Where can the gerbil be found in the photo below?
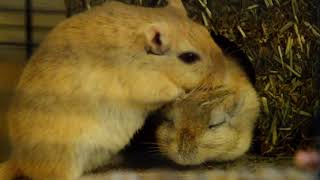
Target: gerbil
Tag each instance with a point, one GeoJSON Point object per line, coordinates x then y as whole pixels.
{"type": "Point", "coordinates": [214, 122]}
{"type": "Point", "coordinates": [94, 79]}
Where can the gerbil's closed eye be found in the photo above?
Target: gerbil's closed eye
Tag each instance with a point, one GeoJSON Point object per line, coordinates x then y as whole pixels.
{"type": "Point", "coordinates": [217, 119]}
{"type": "Point", "coordinates": [189, 57]}
{"type": "Point", "coordinates": [211, 126]}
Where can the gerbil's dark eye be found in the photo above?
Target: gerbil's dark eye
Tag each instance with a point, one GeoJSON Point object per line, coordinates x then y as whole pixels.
{"type": "Point", "coordinates": [189, 57]}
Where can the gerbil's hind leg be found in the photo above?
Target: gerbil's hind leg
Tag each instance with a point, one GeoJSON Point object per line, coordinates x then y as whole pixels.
{"type": "Point", "coordinates": [49, 162]}
{"type": "Point", "coordinates": [59, 172]}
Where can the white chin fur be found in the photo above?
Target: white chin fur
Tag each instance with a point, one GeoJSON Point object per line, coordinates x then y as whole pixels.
{"type": "Point", "coordinates": [182, 160]}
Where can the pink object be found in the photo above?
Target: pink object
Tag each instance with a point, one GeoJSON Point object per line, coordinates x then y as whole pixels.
{"type": "Point", "coordinates": [307, 159]}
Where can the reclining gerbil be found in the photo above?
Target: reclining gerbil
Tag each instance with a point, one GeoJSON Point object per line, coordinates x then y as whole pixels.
{"type": "Point", "coordinates": [94, 79]}
{"type": "Point", "coordinates": [214, 122]}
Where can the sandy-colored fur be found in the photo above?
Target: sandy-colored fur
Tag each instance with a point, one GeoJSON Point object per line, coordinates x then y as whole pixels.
{"type": "Point", "coordinates": [91, 84]}
{"type": "Point", "coordinates": [186, 138]}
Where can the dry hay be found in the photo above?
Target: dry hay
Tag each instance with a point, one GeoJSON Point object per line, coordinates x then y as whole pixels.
{"type": "Point", "coordinates": [281, 40]}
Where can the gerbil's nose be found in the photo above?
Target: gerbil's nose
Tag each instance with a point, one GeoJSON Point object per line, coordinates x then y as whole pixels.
{"type": "Point", "coordinates": [187, 142]}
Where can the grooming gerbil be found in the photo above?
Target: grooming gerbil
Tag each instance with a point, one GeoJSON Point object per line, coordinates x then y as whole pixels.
{"type": "Point", "coordinates": [214, 122]}
{"type": "Point", "coordinates": [94, 79]}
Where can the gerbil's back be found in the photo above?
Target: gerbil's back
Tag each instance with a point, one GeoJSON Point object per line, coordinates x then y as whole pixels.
{"type": "Point", "coordinates": [89, 39]}
{"type": "Point", "coordinates": [113, 24]}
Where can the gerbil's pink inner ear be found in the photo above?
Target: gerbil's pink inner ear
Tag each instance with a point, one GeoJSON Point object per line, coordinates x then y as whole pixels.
{"type": "Point", "coordinates": [157, 38]}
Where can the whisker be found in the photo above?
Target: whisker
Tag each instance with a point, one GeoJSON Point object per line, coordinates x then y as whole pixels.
{"type": "Point", "coordinates": [159, 145]}
{"type": "Point", "coordinates": [155, 147]}
{"type": "Point", "coordinates": [153, 151]}
{"type": "Point", "coordinates": [154, 144]}
{"type": "Point", "coordinates": [205, 165]}
{"type": "Point", "coordinates": [149, 143]}
{"type": "Point", "coordinates": [164, 146]}
{"type": "Point", "coordinates": [157, 151]}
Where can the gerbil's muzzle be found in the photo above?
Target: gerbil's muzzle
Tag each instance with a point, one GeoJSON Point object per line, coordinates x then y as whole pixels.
{"type": "Point", "coordinates": [187, 148]}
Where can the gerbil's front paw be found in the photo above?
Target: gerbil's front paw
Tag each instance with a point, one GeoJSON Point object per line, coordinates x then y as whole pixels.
{"type": "Point", "coordinates": [170, 93]}
{"type": "Point", "coordinates": [163, 92]}
{"type": "Point", "coordinates": [153, 88]}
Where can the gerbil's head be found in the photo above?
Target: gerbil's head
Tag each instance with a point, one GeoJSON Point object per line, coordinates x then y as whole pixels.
{"type": "Point", "coordinates": [208, 124]}
{"type": "Point", "coordinates": [177, 47]}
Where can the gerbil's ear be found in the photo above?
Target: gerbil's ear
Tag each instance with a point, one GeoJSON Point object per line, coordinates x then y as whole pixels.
{"type": "Point", "coordinates": [157, 38]}
{"type": "Point", "coordinates": [217, 118]}
{"type": "Point", "coordinates": [235, 109]}
{"type": "Point", "coordinates": [177, 4]}
{"type": "Point", "coordinates": [226, 114]}
{"type": "Point", "coordinates": [237, 106]}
